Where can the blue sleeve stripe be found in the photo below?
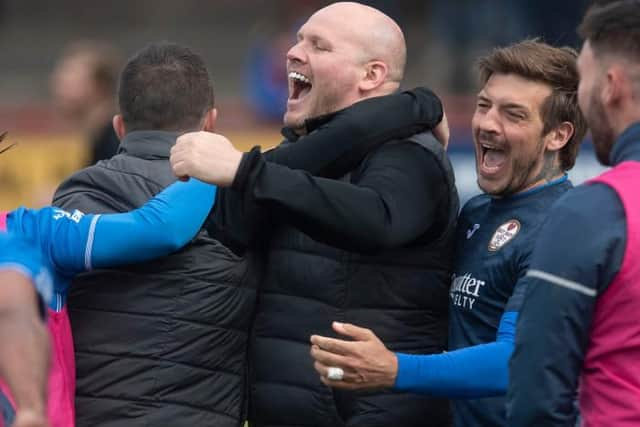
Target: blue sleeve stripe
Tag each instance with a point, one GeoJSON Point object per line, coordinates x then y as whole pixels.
{"type": "Point", "coordinates": [562, 282]}
{"type": "Point", "coordinates": [90, 239]}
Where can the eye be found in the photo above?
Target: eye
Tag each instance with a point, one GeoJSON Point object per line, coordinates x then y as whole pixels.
{"type": "Point", "coordinates": [515, 116]}
{"type": "Point", "coordinates": [482, 105]}
{"type": "Point", "coordinates": [319, 45]}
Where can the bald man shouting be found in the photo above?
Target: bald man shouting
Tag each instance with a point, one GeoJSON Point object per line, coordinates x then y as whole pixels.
{"type": "Point", "coordinates": [371, 245]}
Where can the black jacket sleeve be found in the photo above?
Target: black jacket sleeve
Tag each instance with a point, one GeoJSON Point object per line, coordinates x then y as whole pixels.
{"type": "Point", "coordinates": [332, 150]}
{"type": "Point", "coordinates": [391, 200]}
{"type": "Point", "coordinates": [339, 144]}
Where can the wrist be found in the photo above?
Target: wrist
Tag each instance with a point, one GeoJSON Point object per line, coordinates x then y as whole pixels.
{"type": "Point", "coordinates": [393, 371]}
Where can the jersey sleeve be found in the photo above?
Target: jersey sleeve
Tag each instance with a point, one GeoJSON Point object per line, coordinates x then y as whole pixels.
{"type": "Point", "coordinates": [65, 238]}
{"type": "Point", "coordinates": [163, 225]}
{"type": "Point", "coordinates": [468, 373]}
{"type": "Point", "coordinates": [74, 242]}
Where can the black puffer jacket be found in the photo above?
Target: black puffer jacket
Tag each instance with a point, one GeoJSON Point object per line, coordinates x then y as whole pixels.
{"type": "Point", "coordinates": [160, 343]}
{"type": "Point", "coordinates": [395, 214]}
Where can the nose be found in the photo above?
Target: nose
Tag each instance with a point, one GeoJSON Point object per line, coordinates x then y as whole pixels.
{"type": "Point", "coordinates": [487, 121]}
{"type": "Point", "coordinates": [296, 54]}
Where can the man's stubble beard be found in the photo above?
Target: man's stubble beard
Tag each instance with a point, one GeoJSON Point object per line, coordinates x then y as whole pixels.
{"type": "Point", "coordinates": [601, 131]}
{"type": "Point", "coordinates": [320, 107]}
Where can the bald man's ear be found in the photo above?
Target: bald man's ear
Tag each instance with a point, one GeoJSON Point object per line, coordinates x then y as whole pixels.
{"type": "Point", "coordinates": [210, 119]}
{"type": "Point", "coordinates": [376, 73]}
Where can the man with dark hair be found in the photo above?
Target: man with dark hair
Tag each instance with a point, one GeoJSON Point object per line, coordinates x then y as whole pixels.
{"type": "Point", "coordinates": [527, 128]}
{"type": "Point", "coordinates": [166, 342]}
{"type": "Point", "coordinates": [578, 330]}
{"type": "Point", "coordinates": [372, 245]}
{"type": "Point", "coordinates": [129, 365]}
{"type": "Point", "coordinates": [166, 87]}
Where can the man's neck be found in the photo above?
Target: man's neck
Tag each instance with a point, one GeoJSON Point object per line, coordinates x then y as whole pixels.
{"type": "Point", "coordinates": [622, 119]}
{"type": "Point", "coordinates": [544, 181]}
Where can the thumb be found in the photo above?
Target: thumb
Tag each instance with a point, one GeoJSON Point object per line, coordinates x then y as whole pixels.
{"type": "Point", "coordinates": [353, 331]}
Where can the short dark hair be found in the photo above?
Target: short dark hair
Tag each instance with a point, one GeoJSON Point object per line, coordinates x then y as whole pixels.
{"type": "Point", "coordinates": [554, 66]}
{"type": "Point", "coordinates": [165, 87]}
{"type": "Point", "coordinates": [613, 27]}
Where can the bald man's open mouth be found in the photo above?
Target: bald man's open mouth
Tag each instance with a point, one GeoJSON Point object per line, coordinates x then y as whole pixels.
{"type": "Point", "coordinates": [299, 86]}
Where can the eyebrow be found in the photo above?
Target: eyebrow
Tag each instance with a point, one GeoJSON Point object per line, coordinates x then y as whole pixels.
{"type": "Point", "coordinates": [515, 106]}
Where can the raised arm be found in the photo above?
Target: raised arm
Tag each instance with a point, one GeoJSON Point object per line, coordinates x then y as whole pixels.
{"type": "Point", "coordinates": [163, 225]}
{"type": "Point", "coordinates": [334, 148]}
{"type": "Point", "coordinates": [340, 144]}
{"type": "Point", "coordinates": [395, 197]}
{"type": "Point", "coordinates": [75, 242]}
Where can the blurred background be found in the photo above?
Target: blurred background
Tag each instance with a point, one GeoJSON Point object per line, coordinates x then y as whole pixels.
{"type": "Point", "coordinates": [59, 62]}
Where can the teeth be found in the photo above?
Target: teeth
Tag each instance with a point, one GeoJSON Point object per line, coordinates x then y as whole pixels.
{"type": "Point", "coordinates": [300, 77]}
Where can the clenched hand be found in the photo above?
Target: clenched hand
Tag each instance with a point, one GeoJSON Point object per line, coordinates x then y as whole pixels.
{"type": "Point", "coordinates": [206, 156]}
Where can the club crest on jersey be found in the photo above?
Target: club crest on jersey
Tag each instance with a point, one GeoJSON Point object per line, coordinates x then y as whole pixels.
{"type": "Point", "coordinates": [504, 234]}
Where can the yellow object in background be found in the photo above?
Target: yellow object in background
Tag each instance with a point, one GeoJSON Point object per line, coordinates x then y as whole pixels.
{"type": "Point", "coordinates": [31, 171]}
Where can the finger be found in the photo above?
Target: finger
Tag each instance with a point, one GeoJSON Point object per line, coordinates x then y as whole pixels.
{"type": "Point", "coordinates": [183, 140]}
{"type": "Point", "coordinates": [442, 132]}
{"type": "Point", "coordinates": [180, 170]}
{"type": "Point", "coordinates": [174, 151]}
{"type": "Point", "coordinates": [342, 384]}
{"type": "Point", "coordinates": [353, 331]}
{"type": "Point", "coordinates": [329, 359]}
{"type": "Point", "coordinates": [321, 368]}
{"type": "Point", "coordinates": [333, 345]}
{"type": "Point", "coordinates": [348, 376]}
{"type": "Point", "coordinates": [178, 155]}
{"type": "Point", "coordinates": [174, 159]}
{"type": "Point", "coordinates": [185, 137]}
